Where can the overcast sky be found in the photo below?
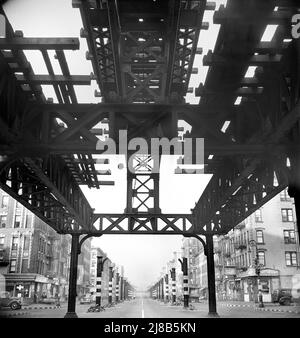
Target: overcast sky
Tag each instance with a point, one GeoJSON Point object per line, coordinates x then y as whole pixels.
{"type": "Point", "coordinates": [142, 256]}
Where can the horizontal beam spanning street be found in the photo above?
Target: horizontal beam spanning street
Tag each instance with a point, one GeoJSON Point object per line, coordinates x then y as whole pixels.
{"type": "Point", "coordinates": [55, 79]}
{"type": "Point", "coordinates": [39, 43]}
{"type": "Point", "coordinates": [139, 223]}
{"type": "Point", "coordinates": [36, 149]}
{"type": "Point", "coordinates": [131, 108]}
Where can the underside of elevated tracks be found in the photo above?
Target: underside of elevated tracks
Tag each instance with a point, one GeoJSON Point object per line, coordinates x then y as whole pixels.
{"type": "Point", "coordinates": [143, 56]}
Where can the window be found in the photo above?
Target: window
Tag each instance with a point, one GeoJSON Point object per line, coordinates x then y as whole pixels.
{"type": "Point", "coordinates": [289, 236]}
{"type": "Point", "coordinates": [258, 215]}
{"type": "Point", "coordinates": [261, 258]}
{"type": "Point", "coordinates": [24, 265]}
{"type": "Point", "coordinates": [284, 196]}
{"type": "Point", "coordinates": [41, 267]}
{"type": "Point", "coordinates": [13, 264]}
{"type": "Point", "coordinates": [259, 236]}
{"type": "Point", "coordinates": [26, 245]}
{"type": "Point", "coordinates": [291, 258]}
{"type": "Point", "coordinates": [3, 221]}
{"type": "Point", "coordinates": [2, 238]}
{"type": "Point", "coordinates": [287, 215]}
{"type": "Point", "coordinates": [61, 268]}
{"type": "Point", "coordinates": [17, 221]}
{"type": "Point", "coordinates": [2, 255]}
{"type": "Point", "coordinates": [15, 242]}
{"type": "Point", "coordinates": [4, 203]}
{"type": "Point", "coordinates": [27, 221]}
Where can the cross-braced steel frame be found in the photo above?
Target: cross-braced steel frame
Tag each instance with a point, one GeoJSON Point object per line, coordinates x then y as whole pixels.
{"type": "Point", "coordinates": [142, 55]}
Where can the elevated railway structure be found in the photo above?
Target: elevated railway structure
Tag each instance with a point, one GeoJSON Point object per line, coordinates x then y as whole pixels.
{"type": "Point", "coordinates": [142, 54]}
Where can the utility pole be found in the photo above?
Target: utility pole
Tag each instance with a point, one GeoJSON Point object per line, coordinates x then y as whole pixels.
{"type": "Point", "coordinates": [258, 296]}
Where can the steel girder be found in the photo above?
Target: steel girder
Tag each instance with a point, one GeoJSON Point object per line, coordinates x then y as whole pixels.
{"type": "Point", "coordinates": [44, 184]}
{"type": "Point", "coordinates": [139, 223]}
{"type": "Point", "coordinates": [240, 185]}
{"type": "Point", "coordinates": [43, 127]}
{"type": "Point", "coordinates": [142, 52]}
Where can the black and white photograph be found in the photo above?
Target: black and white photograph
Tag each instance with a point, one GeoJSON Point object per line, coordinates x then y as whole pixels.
{"type": "Point", "coordinates": [149, 163]}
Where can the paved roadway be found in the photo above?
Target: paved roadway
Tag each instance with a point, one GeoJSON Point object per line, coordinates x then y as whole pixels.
{"type": "Point", "coordinates": [148, 308]}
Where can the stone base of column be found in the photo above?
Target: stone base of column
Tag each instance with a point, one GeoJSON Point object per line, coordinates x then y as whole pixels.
{"type": "Point", "coordinates": [71, 315]}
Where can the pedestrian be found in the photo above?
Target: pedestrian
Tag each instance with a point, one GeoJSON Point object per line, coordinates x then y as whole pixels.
{"type": "Point", "coordinates": [35, 297]}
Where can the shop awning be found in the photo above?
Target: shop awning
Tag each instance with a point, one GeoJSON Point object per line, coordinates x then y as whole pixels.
{"type": "Point", "coordinates": [25, 277]}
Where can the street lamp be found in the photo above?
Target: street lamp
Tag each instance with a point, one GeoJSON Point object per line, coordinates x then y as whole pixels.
{"type": "Point", "coordinates": [257, 266]}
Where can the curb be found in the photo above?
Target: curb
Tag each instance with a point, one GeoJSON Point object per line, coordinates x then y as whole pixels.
{"type": "Point", "coordinates": [40, 307]}
{"type": "Point", "coordinates": [261, 309]}
{"type": "Point", "coordinates": [278, 310]}
{"type": "Point", "coordinates": [237, 305]}
{"type": "Point", "coordinates": [14, 314]}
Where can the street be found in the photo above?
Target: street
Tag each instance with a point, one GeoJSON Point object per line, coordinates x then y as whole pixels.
{"type": "Point", "coordinates": [149, 308]}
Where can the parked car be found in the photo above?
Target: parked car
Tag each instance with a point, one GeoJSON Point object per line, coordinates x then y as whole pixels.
{"type": "Point", "coordinates": [7, 301]}
{"type": "Point", "coordinates": [86, 299]}
{"type": "Point", "coordinates": [282, 296]}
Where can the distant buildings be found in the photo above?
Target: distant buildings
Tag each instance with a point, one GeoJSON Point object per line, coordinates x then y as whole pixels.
{"type": "Point", "coordinates": [266, 242]}
{"type": "Point", "coordinates": [34, 259]}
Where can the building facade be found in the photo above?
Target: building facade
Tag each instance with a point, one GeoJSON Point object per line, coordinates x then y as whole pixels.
{"type": "Point", "coordinates": [84, 262]}
{"type": "Point", "coordinates": [35, 257]}
{"type": "Point", "coordinates": [118, 280]}
{"type": "Point", "coordinates": [261, 253]}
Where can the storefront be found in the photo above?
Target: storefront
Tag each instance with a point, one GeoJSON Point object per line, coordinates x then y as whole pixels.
{"type": "Point", "coordinates": [229, 282]}
{"type": "Point", "coordinates": [266, 282]}
{"type": "Point", "coordinates": [194, 293]}
{"type": "Point", "coordinates": [63, 289]}
{"type": "Point", "coordinates": [31, 287]}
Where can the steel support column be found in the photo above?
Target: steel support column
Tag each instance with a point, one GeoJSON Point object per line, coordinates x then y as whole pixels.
{"type": "Point", "coordinates": [117, 287]}
{"type": "Point", "coordinates": [294, 187]}
{"type": "Point", "coordinates": [121, 289]}
{"type": "Point", "coordinates": [167, 287]}
{"type": "Point", "coordinates": [125, 290]}
{"type": "Point", "coordinates": [212, 306]}
{"type": "Point", "coordinates": [73, 278]}
{"type": "Point", "coordinates": [184, 269]}
{"type": "Point", "coordinates": [100, 263]}
{"type": "Point", "coordinates": [110, 282]}
{"type": "Point", "coordinates": [297, 207]}
{"type": "Point", "coordinates": [173, 276]}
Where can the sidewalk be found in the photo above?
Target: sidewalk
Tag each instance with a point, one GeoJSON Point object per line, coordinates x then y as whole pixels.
{"type": "Point", "coordinates": [271, 307]}
{"type": "Point", "coordinates": [42, 306]}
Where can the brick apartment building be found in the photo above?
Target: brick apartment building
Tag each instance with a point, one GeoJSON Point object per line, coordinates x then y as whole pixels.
{"type": "Point", "coordinates": [34, 258]}
{"type": "Point", "coordinates": [267, 240]}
